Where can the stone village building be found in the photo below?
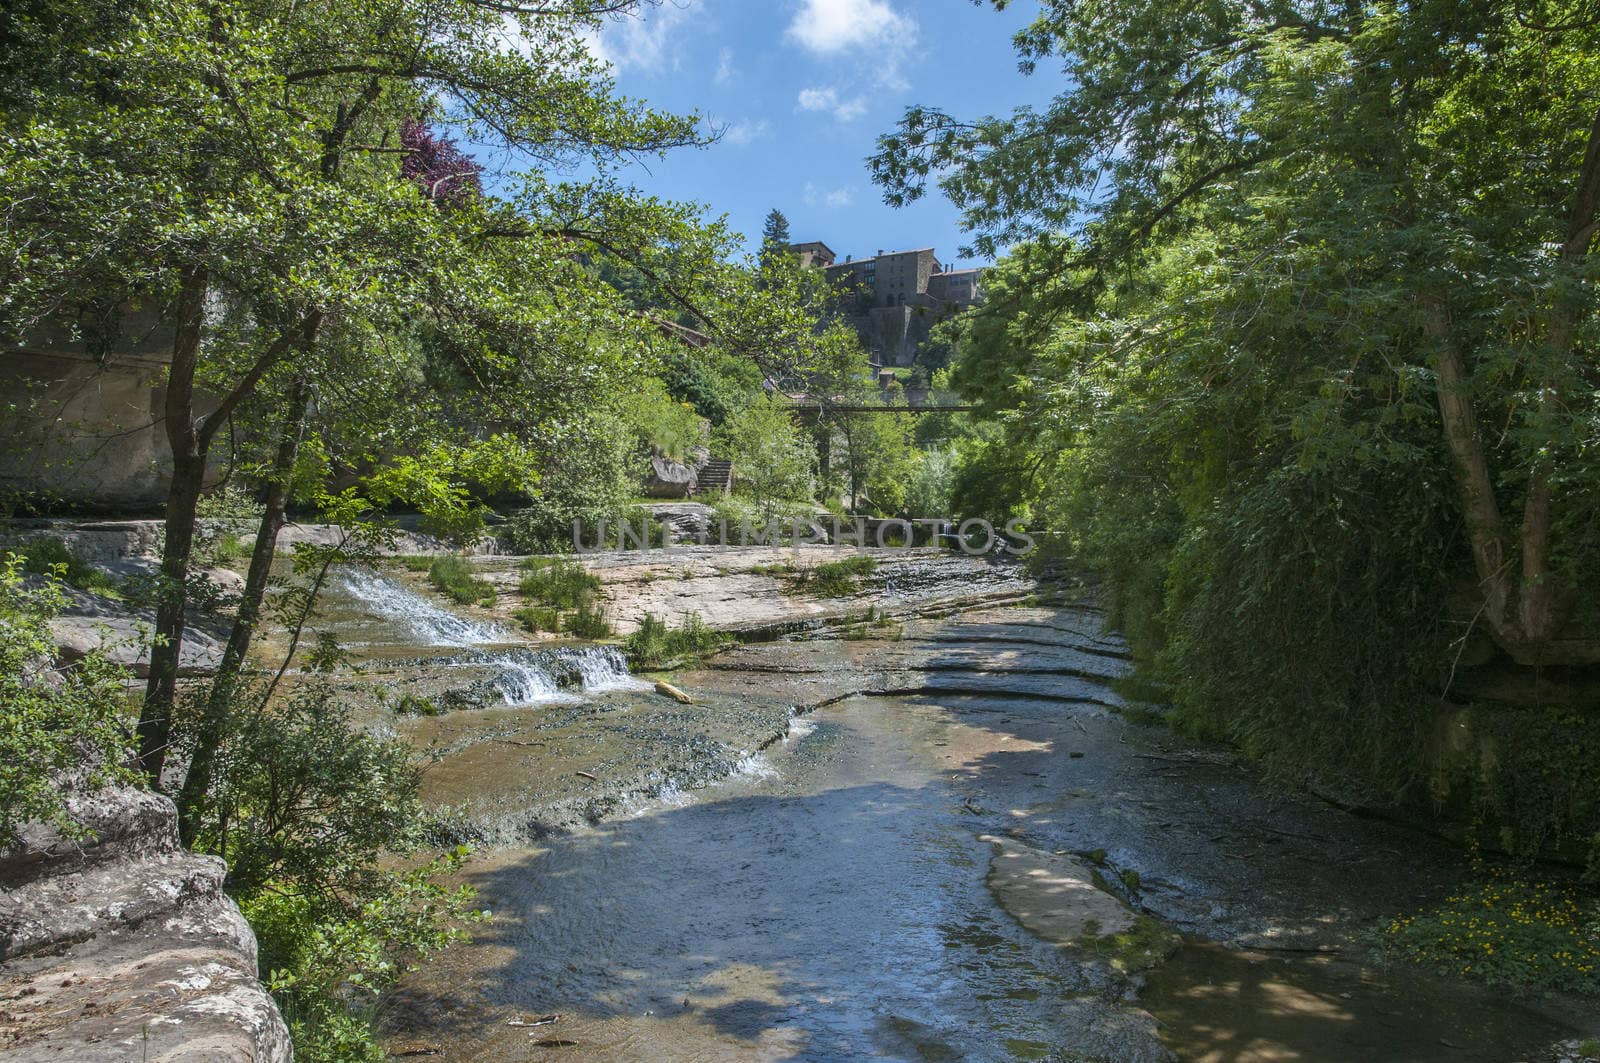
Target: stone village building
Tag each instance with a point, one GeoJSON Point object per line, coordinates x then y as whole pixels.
{"type": "Point", "coordinates": [894, 299]}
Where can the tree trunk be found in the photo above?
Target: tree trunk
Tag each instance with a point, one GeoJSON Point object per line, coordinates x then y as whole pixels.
{"type": "Point", "coordinates": [183, 496]}
{"type": "Point", "coordinates": [1538, 614]}
{"type": "Point", "coordinates": [213, 724]}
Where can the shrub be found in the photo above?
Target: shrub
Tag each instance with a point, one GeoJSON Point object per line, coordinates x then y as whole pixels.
{"type": "Point", "coordinates": [588, 622]}
{"type": "Point", "coordinates": [655, 643]}
{"type": "Point", "coordinates": [537, 617]}
{"type": "Point", "coordinates": [328, 968]}
{"type": "Point", "coordinates": [311, 817]}
{"type": "Point", "coordinates": [50, 722]}
{"type": "Point", "coordinates": [837, 579]}
{"type": "Point", "coordinates": [413, 705]}
{"type": "Point", "coordinates": [452, 575]}
{"type": "Point", "coordinates": [558, 582]}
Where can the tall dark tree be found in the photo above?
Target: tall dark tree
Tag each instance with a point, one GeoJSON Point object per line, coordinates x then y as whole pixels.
{"type": "Point", "coordinates": [774, 235]}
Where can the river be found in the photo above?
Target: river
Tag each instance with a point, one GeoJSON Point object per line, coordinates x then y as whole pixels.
{"type": "Point", "coordinates": [949, 840]}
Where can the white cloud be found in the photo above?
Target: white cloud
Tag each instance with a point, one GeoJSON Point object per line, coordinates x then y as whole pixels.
{"type": "Point", "coordinates": [828, 99]}
{"type": "Point", "coordinates": [831, 26]}
{"type": "Point", "coordinates": [838, 197]}
{"type": "Point", "coordinates": [724, 72]}
{"type": "Point", "coordinates": [641, 41]}
{"type": "Point", "coordinates": [744, 132]}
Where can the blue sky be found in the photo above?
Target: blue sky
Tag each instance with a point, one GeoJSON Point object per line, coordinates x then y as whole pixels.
{"type": "Point", "coordinates": [803, 89]}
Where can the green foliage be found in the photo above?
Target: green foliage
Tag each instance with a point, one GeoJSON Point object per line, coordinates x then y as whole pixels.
{"type": "Point", "coordinates": [927, 494]}
{"type": "Point", "coordinates": [1507, 931]}
{"type": "Point", "coordinates": [775, 238]}
{"type": "Point", "coordinates": [311, 817]}
{"type": "Point", "coordinates": [1529, 786]}
{"type": "Point", "coordinates": [656, 643]}
{"type": "Point", "coordinates": [51, 722]}
{"type": "Point", "coordinates": [226, 519]}
{"type": "Point", "coordinates": [875, 454]}
{"type": "Point", "coordinates": [303, 797]}
{"type": "Point", "coordinates": [1218, 362]}
{"type": "Point", "coordinates": [710, 379]}
{"type": "Point", "coordinates": [453, 576]}
{"type": "Point", "coordinates": [773, 461]}
{"type": "Point", "coordinates": [327, 970]}
{"type": "Point", "coordinates": [591, 482]}
{"type": "Point", "coordinates": [558, 582]}
{"type": "Point", "coordinates": [836, 579]}
{"type": "Point", "coordinates": [588, 621]}
{"type": "Point", "coordinates": [44, 555]}
{"type": "Point", "coordinates": [537, 618]}
{"type": "Point", "coordinates": [670, 427]}
{"type": "Point", "coordinates": [413, 705]}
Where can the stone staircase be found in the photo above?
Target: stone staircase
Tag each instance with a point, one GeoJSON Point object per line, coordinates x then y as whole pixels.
{"type": "Point", "coordinates": [713, 478]}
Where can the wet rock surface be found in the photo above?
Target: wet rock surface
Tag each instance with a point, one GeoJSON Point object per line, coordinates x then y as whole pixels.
{"type": "Point", "coordinates": [124, 947]}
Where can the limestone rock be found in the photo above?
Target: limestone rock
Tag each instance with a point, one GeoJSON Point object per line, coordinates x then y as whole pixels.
{"type": "Point", "coordinates": [669, 479]}
{"type": "Point", "coordinates": [123, 946]}
{"type": "Point", "coordinates": [1053, 895]}
{"type": "Point", "coordinates": [685, 521]}
{"type": "Point", "coordinates": [90, 622]}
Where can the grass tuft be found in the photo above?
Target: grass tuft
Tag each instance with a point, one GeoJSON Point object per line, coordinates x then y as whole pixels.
{"type": "Point", "coordinates": [452, 575]}
{"type": "Point", "coordinates": [656, 642]}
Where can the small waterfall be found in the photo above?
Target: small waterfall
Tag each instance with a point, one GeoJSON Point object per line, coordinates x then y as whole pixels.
{"type": "Point", "coordinates": [522, 682]}
{"type": "Point", "coordinates": [602, 668]}
{"type": "Point", "coordinates": [533, 677]}
{"type": "Point", "coordinates": [429, 623]}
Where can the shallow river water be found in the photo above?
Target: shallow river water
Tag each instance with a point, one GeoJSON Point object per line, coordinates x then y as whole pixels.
{"type": "Point", "coordinates": [841, 892]}
{"type": "Point", "coordinates": [835, 906]}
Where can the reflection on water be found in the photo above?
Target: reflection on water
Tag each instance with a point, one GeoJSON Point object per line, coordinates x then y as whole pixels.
{"type": "Point", "coordinates": [835, 907]}
{"type": "Point", "coordinates": [832, 908]}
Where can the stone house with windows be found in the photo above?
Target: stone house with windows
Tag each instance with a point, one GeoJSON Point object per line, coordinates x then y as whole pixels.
{"type": "Point", "coordinates": [895, 298]}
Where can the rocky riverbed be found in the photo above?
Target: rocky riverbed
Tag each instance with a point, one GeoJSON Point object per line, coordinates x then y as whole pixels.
{"type": "Point", "coordinates": [949, 841]}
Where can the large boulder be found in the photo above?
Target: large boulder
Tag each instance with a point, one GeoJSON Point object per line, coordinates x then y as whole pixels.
{"type": "Point", "coordinates": [89, 622]}
{"type": "Point", "coordinates": [669, 479]}
{"type": "Point", "coordinates": [123, 946]}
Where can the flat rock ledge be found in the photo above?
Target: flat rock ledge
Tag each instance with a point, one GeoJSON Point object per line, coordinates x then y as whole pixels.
{"type": "Point", "coordinates": [124, 947]}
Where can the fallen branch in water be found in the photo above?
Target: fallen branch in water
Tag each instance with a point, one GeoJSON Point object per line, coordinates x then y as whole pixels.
{"type": "Point", "coordinates": [543, 1020]}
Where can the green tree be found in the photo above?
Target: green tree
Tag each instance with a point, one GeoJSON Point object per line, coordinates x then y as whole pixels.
{"type": "Point", "coordinates": [775, 239]}
{"type": "Point", "coordinates": [1411, 180]}
{"type": "Point", "coordinates": [263, 180]}
{"type": "Point", "coordinates": [1296, 344]}
{"type": "Point", "coordinates": [773, 460]}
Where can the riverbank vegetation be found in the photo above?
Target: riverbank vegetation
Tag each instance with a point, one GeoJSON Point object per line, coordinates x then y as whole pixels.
{"type": "Point", "coordinates": [657, 643]}
{"type": "Point", "coordinates": [1294, 342]}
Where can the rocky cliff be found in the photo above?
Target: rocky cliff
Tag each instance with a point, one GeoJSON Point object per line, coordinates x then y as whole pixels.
{"type": "Point", "coordinates": [123, 947]}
